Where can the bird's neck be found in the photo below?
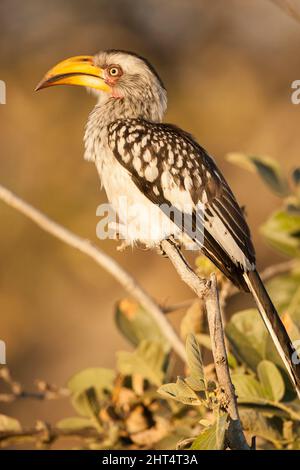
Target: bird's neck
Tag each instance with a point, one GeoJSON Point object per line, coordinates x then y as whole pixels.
{"type": "Point", "coordinates": [110, 110]}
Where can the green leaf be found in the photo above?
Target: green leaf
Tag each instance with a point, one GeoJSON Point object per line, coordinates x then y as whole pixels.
{"type": "Point", "coordinates": [295, 445]}
{"type": "Point", "coordinates": [212, 438]}
{"type": "Point", "coordinates": [75, 423]}
{"type": "Point", "coordinates": [282, 231]}
{"type": "Point", "coordinates": [9, 424]}
{"type": "Point", "coordinates": [271, 380]}
{"type": "Point", "coordinates": [181, 392]}
{"type": "Point", "coordinates": [195, 363]}
{"type": "Point", "coordinates": [147, 360]}
{"type": "Point", "coordinates": [265, 392]}
{"type": "Point", "coordinates": [193, 320]}
{"type": "Point", "coordinates": [282, 288]}
{"type": "Point", "coordinates": [248, 389]}
{"type": "Point", "coordinates": [195, 384]}
{"type": "Point", "coordinates": [257, 425]}
{"type": "Point", "coordinates": [248, 335]}
{"type": "Point", "coordinates": [89, 387]}
{"type": "Point", "coordinates": [204, 266]}
{"type": "Point", "coordinates": [99, 378]}
{"type": "Point", "coordinates": [171, 441]}
{"type": "Point", "coordinates": [284, 291]}
{"type": "Point", "coordinates": [250, 339]}
{"type": "Point", "coordinates": [87, 402]}
{"type": "Point", "coordinates": [267, 168]}
{"type": "Point", "coordinates": [136, 324]}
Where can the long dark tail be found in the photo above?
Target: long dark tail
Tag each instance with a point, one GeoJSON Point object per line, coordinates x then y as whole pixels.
{"type": "Point", "coordinates": [275, 327]}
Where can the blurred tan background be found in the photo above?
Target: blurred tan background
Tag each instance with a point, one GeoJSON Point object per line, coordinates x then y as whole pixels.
{"type": "Point", "coordinates": [228, 67]}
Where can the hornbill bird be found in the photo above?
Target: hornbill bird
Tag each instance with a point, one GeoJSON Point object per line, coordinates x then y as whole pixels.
{"type": "Point", "coordinates": [159, 166]}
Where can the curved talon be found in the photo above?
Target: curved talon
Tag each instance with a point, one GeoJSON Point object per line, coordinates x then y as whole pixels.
{"type": "Point", "coordinates": [160, 251]}
{"type": "Point", "coordinates": [122, 247]}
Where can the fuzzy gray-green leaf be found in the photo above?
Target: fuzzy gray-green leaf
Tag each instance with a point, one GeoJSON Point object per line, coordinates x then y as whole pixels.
{"type": "Point", "coordinates": [212, 438]}
{"type": "Point", "coordinates": [137, 325]}
{"type": "Point", "coordinates": [271, 380]}
{"type": "Point", "coordinates": [147, 360]}
{"type": "Point", "coordinates": [181, 392]}
{"type": "Point", "coordinates": [267, 168]}
{"type": "Point", "coordinates": [195, 363]}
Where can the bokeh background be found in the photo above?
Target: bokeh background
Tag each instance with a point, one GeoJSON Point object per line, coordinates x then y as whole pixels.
{"type": "Point", "coordinates": [228, 67]}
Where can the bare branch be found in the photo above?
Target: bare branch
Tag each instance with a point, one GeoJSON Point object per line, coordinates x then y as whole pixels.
{"type": "Point", "coordinates": [110, 265]}
{"type": "Point", "coordinates": [45, 391]}
{"type": "Point", "coordinates": [208, 291]}
{"type": "Point", "coordinates": [45, 434]}
{"type": "Point", "coordinates": [235, 433]}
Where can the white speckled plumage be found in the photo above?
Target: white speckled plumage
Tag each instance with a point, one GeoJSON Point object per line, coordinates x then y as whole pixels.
{"type": "Point", "coordinates": [123, 136]}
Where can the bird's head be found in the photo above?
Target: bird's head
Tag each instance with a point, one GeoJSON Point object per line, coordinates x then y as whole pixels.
{"type": "Point", "coordinates": [114, 76]}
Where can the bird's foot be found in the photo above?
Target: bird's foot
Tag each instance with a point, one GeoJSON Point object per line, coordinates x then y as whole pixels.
{"type": "Point", "coordinates": [146, 246]}
{"type": "Point", "coordinates": [160, 251]}
{"type": "Point", "coordinates": [118, 232]}
{"type": "Point", "coordinates": [122, 247]}
{"type": "Point", "coordinates": [175, 242]}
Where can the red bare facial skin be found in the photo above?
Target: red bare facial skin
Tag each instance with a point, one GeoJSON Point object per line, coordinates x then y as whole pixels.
{"type": "Point", "coordinates": [112, 82]}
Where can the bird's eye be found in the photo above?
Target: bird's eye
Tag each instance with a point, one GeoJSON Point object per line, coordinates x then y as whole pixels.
{"type": "Point", "coordinates": [114, 71]}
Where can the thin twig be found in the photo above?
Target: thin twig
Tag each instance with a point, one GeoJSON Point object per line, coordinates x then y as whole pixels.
{"type": "Point", "coordinates": [45, 391]}
{"type": "Point", "coordinates": [178, 306]}
{"type": "Point", "coordinates": [235, 433]}
{"type": "Point", "coordinates": [101, 258]}
{"type": "Point", "coordinates": [45, 434]}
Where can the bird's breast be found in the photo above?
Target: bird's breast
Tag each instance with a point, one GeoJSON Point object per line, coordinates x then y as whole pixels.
{"type": "Point", "coordinates": [144, 220]}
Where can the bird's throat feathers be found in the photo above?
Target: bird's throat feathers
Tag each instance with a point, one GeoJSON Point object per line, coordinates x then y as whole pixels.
{"type": "Point", "coordinates": [110, 109]}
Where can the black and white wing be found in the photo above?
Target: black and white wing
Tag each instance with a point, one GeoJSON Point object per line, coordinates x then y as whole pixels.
{"type": "Point", "coordinates": [171, 169]}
